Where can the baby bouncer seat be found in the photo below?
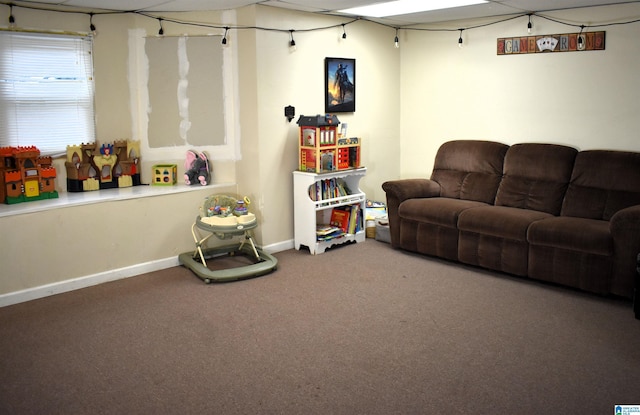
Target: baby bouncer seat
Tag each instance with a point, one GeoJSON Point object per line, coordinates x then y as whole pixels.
{"type": "Point", "coordinates": [226, 217]}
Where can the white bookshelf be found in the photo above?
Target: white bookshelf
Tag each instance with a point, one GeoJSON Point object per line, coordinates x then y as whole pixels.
{"type": "Point", "coordinates": [308, 213]}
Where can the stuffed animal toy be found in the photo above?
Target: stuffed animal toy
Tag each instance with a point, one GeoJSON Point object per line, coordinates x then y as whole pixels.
{"type": "Point", "coordinates": [196, 168]}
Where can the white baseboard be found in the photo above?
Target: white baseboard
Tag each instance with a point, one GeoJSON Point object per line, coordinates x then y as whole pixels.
{"type": "Point", "coordinates": [86, 281]}
{"type": "Point", "coordinates": [279, 247]}
{"type": "Point", "coordinates": [107, 276]}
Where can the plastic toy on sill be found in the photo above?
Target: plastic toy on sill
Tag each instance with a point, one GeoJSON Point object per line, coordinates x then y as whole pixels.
{"type": "Point", "coordinates": [196, 168]}
{"type": "Point", "coordinates": [109, 166]}
{"type": "Point", "coordinates": [25, 175]}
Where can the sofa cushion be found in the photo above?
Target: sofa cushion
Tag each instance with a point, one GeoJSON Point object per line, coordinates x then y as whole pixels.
{"type": "Point", "coordinates": [436, 210]}
{"type": "Point", "coordinates": [602, 183]}
{"type": "Point", "coordinates": [499, 221]}
{"type": "Point", "coordinates": [536, 176]}
{"type": "Point", "coordinates": [469, 170]}
{"type": "Point", "coordinates": [574, 234]}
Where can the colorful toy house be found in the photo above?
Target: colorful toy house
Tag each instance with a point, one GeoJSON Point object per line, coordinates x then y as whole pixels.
{"type": "Point", "coordinates": [317, 143]}
{"type": "Point", "coordinates": [322, 149]}
{"type": "Point", "coordinates": [107, 167]}
{"type": "Point", "coordinates": [25, 176]}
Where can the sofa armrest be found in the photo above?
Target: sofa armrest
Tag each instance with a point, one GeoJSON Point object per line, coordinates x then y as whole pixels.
{"type": "Point", "coordinates": [625, 231]}
{"type": "Point", "coordinates": [397, 191]}
{"type": "Point", "coordinates": [411, 188]}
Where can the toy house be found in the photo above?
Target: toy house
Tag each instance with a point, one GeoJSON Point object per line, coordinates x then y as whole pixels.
{"type": "Point", "coordinates": [107, 167]}
{"type": "Point", "coordinates": [322, 149]}
{"type": "Point", "coordinates": [25, 175]}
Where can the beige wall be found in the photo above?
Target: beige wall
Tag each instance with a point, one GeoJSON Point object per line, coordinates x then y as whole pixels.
{"type": "Point", "coordinates": [286, 77]}
{"type": "Point", "coordinates": [409, 101]}
{"type": "Point", "coordinates": [49, 251]}
{"type": "Point", "coordinates": [62, 244]}
{"type": "Point", "coordinates": [582, 99]}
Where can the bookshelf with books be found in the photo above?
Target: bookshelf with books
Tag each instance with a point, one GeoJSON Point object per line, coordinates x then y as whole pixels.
{"type": "Point", "coordinates": [328, 209]}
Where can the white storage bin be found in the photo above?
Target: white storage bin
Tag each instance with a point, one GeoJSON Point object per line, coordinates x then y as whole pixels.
{"type": "Point", "coordinates": [382, 230]}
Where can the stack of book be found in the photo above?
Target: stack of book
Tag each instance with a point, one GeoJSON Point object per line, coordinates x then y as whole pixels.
{"type": "Point", "coordinates": [344, 220]}
{"type": "Point", "coordinates": [328, 232]}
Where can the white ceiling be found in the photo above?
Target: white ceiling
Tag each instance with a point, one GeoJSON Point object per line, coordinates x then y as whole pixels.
{"type": "Point", "coordinates": [492, 8]}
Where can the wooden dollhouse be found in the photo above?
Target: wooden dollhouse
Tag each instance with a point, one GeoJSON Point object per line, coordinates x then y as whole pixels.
{"type": "Point", "coordinates": [109, 166]}
{"type": "Point", "coordinates": [25, 175]}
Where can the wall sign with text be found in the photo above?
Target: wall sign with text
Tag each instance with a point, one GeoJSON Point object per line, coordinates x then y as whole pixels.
{"type": "Point", "coordinates": [567, 42]}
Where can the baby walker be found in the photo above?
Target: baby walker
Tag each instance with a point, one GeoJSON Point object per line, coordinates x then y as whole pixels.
{"type": "Point", "coordinates": [225, 217]}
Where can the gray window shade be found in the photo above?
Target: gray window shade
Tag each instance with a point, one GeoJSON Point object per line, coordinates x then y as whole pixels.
{"type": "Point", "coordinates": [46, 91]}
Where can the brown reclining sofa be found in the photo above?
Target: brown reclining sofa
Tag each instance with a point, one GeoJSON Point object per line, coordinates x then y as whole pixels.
{"type": "Point", "coordinates": [543, 211]}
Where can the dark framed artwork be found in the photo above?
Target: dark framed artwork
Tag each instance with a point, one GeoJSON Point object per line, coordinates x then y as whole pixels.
{"type": "Point", "coordinates": [339, 85]}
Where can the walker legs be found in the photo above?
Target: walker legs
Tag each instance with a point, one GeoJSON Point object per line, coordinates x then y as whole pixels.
{"type": "Point", "coordinates": [248, 237]}
{"type": "Point", "coordinates": [201, 242]}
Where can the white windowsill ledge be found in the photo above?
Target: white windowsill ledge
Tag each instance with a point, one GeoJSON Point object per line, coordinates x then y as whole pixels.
{"type": "Point", "coordinates": [66, 199]}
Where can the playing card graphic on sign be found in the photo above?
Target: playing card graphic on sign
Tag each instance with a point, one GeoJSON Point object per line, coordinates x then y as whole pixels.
{"type": "Point", "coordinates": [547, 43]}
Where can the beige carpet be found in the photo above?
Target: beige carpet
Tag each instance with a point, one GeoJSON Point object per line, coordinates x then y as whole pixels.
{"type": "Point", "coordinates": [360, 329]}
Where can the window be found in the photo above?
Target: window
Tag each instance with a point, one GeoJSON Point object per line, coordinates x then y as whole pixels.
{"type": "Point", "coordinates": [46, 91]}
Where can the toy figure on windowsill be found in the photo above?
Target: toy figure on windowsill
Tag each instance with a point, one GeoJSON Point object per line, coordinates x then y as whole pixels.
{"type": "Point", "coordinates": [105, 162]}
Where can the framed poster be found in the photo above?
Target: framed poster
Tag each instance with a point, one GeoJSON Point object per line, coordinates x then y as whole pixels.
{"type": "Point", "coordinates": [339, 85]}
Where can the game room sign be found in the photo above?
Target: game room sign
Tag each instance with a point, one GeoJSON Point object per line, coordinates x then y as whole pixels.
{"type": "Point", "coordinates": [567, 42]}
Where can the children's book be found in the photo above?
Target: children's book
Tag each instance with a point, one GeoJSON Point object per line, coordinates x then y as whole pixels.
{"type": "Point", "coordinates": [340, 217]}
{"type": "Point", "coordinates": [353, 220]}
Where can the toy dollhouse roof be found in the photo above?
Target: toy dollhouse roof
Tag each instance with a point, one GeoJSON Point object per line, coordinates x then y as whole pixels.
{"type": "Point", "coordinates": [318, 120]}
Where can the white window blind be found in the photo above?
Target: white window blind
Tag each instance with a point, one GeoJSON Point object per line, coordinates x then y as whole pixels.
{"type": "Point", "coordinates": [46, 91]}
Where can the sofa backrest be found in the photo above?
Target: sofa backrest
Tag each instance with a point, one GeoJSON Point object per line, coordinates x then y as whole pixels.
{"type": "Point", "coordinates": [602, 183]}
{"type": "Point", "coordinates": [469, 169]}
{"type": "Point", "coordinates": [536, 176]}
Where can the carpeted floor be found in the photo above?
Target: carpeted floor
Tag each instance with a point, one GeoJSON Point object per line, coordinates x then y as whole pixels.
{"type": "Point", "coordinates": [360, 329]}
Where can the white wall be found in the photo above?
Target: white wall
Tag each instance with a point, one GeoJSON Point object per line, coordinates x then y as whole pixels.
{"type": "Point", "coordinates": [582, 99]}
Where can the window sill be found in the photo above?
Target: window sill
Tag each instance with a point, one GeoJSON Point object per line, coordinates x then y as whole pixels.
{"type": "Point", "coordinates": [66, 199]}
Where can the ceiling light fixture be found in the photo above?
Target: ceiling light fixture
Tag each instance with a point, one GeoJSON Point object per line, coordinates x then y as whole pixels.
{"type": "Point", "coordinates": [400, 7]}
{"type": "Point", "coordinates": [292, 42]}
{"type": "Point", "coordinates": [92, 27]}
{"type": "Point", "coordinates": [224, 38]}
{"type": "Point", "coordinates": [581, 39]}
{"type": "Point", "coordinates": [12, 20]}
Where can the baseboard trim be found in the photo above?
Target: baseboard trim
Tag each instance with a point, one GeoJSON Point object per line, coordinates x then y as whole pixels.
{"type": "Point", "coordinates": [279, 247]}
{"type": "Point", "coordinates": [107, 276]}
{"type": "Point", "coordinates": [86, 281]}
